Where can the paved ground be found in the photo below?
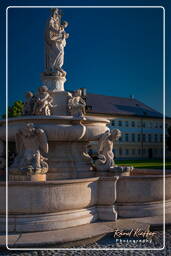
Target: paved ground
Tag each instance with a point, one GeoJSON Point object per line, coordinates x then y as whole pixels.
{"type": "Point", "coordinates": [107, 242]}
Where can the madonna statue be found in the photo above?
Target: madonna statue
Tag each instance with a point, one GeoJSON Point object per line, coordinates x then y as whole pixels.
{"type": "Point", "coordinates": [55, 41]}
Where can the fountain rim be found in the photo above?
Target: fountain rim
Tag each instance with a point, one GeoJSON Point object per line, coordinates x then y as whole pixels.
{"type": "Point", "coordinates": [53, 118]}
{"type": "Point", "coordinates": [89, 179]}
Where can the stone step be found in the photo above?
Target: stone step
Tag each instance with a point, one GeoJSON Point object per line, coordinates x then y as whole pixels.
{"type": "Point", "coordinates": [80, 235]}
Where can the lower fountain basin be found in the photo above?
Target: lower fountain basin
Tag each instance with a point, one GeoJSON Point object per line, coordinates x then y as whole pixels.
{"type": "Point", "coordinates": [50, 205]}
{"type": "Point", "coordinates": [142, 193]}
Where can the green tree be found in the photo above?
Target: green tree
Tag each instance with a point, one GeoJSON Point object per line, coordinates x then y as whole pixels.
{"type": "Point", "coordinates": [15, 110]}
{"type": "Point", "coordinates": [168, 139]}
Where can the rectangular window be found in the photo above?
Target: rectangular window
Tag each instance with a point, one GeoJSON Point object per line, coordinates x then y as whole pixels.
{"type": "Point", "coordinates": [138, 137]}
{"type": "Point", "coordinates": [139, 151]}
{"type": "Point", "coordinates": [133, 123]}
{"type": "Point", "coordinates": [120, 123]}
{"type": "Point", "coordinates": [161, 137]}
{"type": "Point", "coordinates": [113, 122]}
{"type": "Point", "coordinates": [133, 151]}
{"type": "Point", "coordinates": [133, 137]}
{"type": "Point", "coordinates": [126, 137]}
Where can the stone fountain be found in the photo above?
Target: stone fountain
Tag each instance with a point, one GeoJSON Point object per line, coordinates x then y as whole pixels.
{"type": "Point", "coordinates": [52, 181]}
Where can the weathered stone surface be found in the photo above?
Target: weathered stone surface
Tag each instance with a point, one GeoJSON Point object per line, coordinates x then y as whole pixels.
{"type": "Point", "coordinates": [67, 139]}
{"type": "Point", "coordinates": [76, 105]}
{"type": "Point", "coordinates": [31, 145]}
{"type": "Point", "coordinates": [105, 150]}
{"type": "Point", "coordinates": [55, 41]}
{"type": "Point", "coordinates": [83, 200]}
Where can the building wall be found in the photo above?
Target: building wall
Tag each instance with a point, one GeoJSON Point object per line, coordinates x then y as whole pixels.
{"type": "Point", "coordinates": [142, 138]}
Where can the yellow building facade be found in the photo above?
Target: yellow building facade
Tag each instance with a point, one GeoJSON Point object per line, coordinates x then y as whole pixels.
{"type": "Point", "coordinates": [142, 129]}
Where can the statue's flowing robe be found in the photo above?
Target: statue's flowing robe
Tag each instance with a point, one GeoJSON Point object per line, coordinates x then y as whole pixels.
{"type": "Point", "coordinates": [54, 47]}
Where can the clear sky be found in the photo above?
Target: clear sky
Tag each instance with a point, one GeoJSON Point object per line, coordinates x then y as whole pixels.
{"type": "Point", "coordinates": [116, 52]}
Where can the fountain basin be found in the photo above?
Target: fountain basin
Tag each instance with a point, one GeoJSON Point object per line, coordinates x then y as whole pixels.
{"type": "Point", "coordinates": [58, 128]}
{"type": "Point", "coordinates": [41, 206]}
{"type": "Point", "coordinates": [60, 204]}
{"type": "Point", "coordinates": [142, 194]}
{"type": "Point", "coordinates": [67, 138]}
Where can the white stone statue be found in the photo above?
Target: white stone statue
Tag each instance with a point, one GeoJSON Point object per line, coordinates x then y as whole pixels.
{"type": "Point", "coordinates": [43, 102]}
{"type": "Point", "coordinates": [105, 159]}
{"type": "Point", "coordinates": [29, 104]}
{"type": "Point", "coordinates": [31, 146]}
{"type": "Point", "coordinates": [55, 41]}
{"type": "Point", "coordinates": [76, 105]}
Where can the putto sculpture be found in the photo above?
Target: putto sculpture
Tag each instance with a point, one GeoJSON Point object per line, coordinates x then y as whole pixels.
{"type": "Point", "coordinates": [55, 41]}
{"type": "Point", "coordinates": [77, 104]}
{"type": "Point", "coordinates": [32, 149]}
{"type": "Point", "coordinates": [43, 102]}
{"type": "Point", "coordinates": [39, 104]}
{"type": "Point", "coordinates": [106, 141]}
{"type": "Point", "coordinates": [28, 104]}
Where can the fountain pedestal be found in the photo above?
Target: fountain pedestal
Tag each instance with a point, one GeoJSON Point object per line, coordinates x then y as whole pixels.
{"type": "Point", "coordinates": [54, 81]}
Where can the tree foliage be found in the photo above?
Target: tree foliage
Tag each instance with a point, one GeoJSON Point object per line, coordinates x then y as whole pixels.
{"type": "Point", "coordinates": [15, 110]}
{"type": "Point", "coordinates": [168, 139]}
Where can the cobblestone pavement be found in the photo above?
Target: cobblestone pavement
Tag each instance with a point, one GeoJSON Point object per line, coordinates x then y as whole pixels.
{"type": "Point", "coordinates": [107, 242]}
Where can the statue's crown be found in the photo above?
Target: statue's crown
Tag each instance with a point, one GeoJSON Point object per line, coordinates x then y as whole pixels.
{"type": "Point", "coordinates": [56, 11]}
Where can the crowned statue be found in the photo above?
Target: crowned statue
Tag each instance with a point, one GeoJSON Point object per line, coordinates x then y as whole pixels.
{"type": "Point", "coordinates": [55, 41]}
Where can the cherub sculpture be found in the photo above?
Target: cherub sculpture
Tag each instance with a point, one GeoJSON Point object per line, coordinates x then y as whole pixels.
{"type": "Point", "coordinates": [105, 159]}
{"type": "Point", "coordinates": [29, 104]}
{"type": "Point", "coordinates": [76, 105]}
{"type": "Point", "coordinates": [32, 147]}
{"type": "Point", "coordinates": [43, 102]}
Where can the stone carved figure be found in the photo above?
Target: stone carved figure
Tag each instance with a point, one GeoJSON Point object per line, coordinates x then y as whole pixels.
{"type": "Point", "coordinates": [31, 146]}
{"type": "Point", "coordinates": [43, 102]}
{"type": "Point", "coordinates": [29, 104]}
{"type": "Point", "coordinates": [105, 159]}
{"type": "Point", "coordinates": [55, 41]}
{"type": "Point", "coordinates": [76, 105]}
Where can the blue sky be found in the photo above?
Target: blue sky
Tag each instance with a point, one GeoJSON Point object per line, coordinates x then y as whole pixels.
{"type": "Point", "coordinates": [112, 51]}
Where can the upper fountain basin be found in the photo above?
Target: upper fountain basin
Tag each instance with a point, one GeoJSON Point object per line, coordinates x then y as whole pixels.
{"type": "Point", "coordinates": [58, 128]}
